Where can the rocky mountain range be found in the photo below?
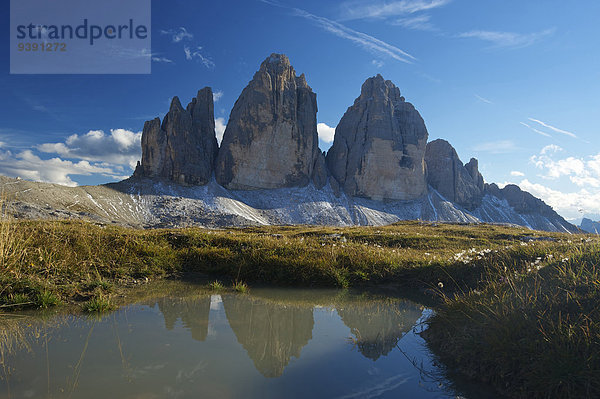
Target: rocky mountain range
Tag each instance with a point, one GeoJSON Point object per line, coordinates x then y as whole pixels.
{"type": "Point", "coordinates": [269, 168]}
{"type": "Point", "coordinates": [590, 226]}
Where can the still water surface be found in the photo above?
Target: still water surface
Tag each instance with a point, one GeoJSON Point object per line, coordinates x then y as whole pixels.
{"type": "Point", "coordinates": [270, 343]}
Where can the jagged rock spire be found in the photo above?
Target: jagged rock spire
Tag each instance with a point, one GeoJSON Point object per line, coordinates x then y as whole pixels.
{"type": "Point", "coordinates": [271, 138]}
{"type": "Point", "coordinates": [379, 145]}
{"type": "Point", "coordinates": [184, 147]}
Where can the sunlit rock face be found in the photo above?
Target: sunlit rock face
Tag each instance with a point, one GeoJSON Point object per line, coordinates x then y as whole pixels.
{"type": "Point", "coordinates": [462, 184]}
{"type": "Point", "coordinates": [184, 147]}
{"type": "Point", "coordinates": [193, 313]}
{"type": "Point", "coordinates": [378, 326]}
{"type": "Point", "coordinates": [271, 138]}
{"type": "Point", "coordinates": [379, 145]}
{"type": "Point", "coordinates": [271, 333]}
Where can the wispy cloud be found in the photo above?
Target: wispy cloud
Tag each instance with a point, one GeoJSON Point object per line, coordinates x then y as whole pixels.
{"type": "Point", "coordinates": [191, 50]}
{"type": "Point", "coordinates": [377, 63]}
{"type": "Point", "coordinates": [196, 53]}
{"type": "Point", "coordinates": [369, 43]}
{"type": "Point", "coordinates": [551, 149]}
{"type": "Point", "coordinates": [507, 39]}
{"type": "Point", "coordinates": [419, 22]}
{"type": "Point", "coordinates": [377, 9]}
{"type": "Point", "coordinates": [482, 99]}
{"type": "Point", "coordinates": [536, 130]}
{"type": "Point", "coordinates": [497, 147]}
{"type": "Point", "coordinates": [162, 59]}
{"type": "Point", "coordinates": [554, 129]}
{"type": "Point", "coordinates": [517, 173]}
{"type": "Point", "coordinates": [178, 35]}
{"type": "Point", "coordinates": [363, 40]}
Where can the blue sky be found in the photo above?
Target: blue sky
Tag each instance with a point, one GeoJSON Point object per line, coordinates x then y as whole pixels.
{"type": "Point", "coordinates": [511, 83]}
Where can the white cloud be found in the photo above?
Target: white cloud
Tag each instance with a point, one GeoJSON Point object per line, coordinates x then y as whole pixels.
{"type": "Point", "coordinates": [326, 133]}
{"type": "Point", "coordinates": [220, 126]}
{"type": "Point", "coordinates": [217, 95]}
{"type": "Point", "coordinates": [177, 35]}
{"type": "Point", "coordinates": [377, 63]}
{"type": "Point", "coordinates": [419, 22]}
{"type": "Point", "coordinates": [497, 147]}
{"type": "Point", "coordinates": [507, 39]}
{"type": "Point", "coordinates": [516, 173]}
{"type": "Point", "coordinates": [120, 147]}
{"type": "Point", "coordinates": [190, 54]}
{"type": "Point", "coordinates": [552, 148]}
{"type": "Point", "coordinates": [363, 40]}
{"type": "Point", "coordinates": [482, 99]}
{"type": "Point", "coordinates": [555, 129]}
{"type": "Point", "coordinates": [378, 9]}
{"type": "Point", "coordinates": [162, 59]}
{"type": "Point", "coordinates": [536, 130]}
{"type": "Point", "coordinates": [29, 166]}
{"type": "Point", "coordinates": [580, 171]}
{"type": "Point", "coordinates": [568, 204]}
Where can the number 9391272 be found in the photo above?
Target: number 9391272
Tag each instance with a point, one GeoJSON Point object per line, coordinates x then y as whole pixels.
{"type": "Point", "coordinates": [42, 47]}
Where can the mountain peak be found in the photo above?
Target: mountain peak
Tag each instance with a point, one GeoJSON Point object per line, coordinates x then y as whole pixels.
{"type": "Point", "coordinates": [378, 87]}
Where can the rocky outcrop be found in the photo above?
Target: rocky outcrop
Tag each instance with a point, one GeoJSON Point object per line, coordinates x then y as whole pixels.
{"type": "Point", "coordinates": [379, 145]}
{"type": "Point", "coordinates": [271, 138]}
{"type": "Point", "coordinates": [183, 149]}
{"type": "Point", "coordinates": [521, 201]}
{"type": "Point", "coordinates": [462, 184]}
{"type": "Point", "coordinates": [590, 226]}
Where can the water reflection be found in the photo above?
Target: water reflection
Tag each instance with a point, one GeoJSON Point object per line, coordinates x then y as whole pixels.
{"type": "Point", "coordinates": [271, 343]}
{"type": "Point", "coordinates": [193, 312]}
{"type": "Point", "coordinates": [378, 326]}
{"type": "Point", "coordinates": [270, 332]}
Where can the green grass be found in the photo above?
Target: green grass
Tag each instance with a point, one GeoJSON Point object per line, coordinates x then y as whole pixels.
{"type": "Point", "coordinates": [76, 260]}
{"type": "Point", "coordinates": [98, 304]}
{"type": "Point", "coordinates": [216, 286]}
{"type": "Point", "coordinates": [517, 313]}
{"type": "Point", "coordinates": [531, 328]}
{"type": "Point", "coordinates": [240, 287]}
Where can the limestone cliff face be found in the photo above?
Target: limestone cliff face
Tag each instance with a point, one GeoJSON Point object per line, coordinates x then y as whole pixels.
{"type": "Point", "coordinates": [462, 184]}
{"type": "Point", "coordinates": [271, 138]}
{"type": "Point", "coordinates": [379, 145]}
{"type": "Point", "coordinates": [183, 149]}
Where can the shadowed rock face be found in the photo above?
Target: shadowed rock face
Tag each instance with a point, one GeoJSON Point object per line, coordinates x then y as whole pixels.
{"type": "Point", "coordinates": [462, 184]}
{"type": "Point", "coordinates": [522, 201]}
{"type": "Point", "coordinates": [183, 149]}
{"type": "Point", "coordinates": [270, 333]}
{"type": "Point", "coordinates": [590, 226]}
{"type": "Point", "coordinates": [271, 138]}
{"type": "Point", "coordinates": [379, 145]}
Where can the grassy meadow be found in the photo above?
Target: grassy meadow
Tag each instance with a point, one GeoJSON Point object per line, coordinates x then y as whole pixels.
{"type": "Point", "coordinates": [515, 308]}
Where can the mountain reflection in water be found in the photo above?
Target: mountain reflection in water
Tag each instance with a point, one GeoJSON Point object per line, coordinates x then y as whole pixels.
{"type": "Point", "coordinates": [269, 343]}
{"type": "Point", "coordinates": [271, 333]}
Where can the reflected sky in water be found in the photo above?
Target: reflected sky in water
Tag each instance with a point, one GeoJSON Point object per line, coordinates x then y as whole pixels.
{"type": "Point", "coordinates": [271, 343]}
